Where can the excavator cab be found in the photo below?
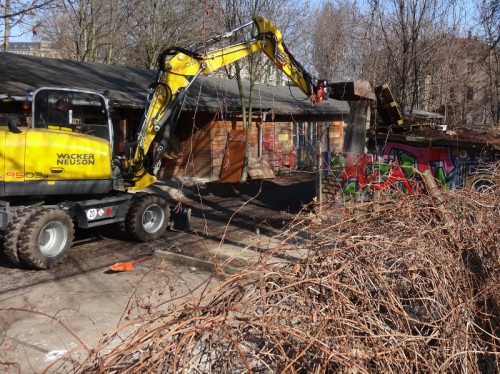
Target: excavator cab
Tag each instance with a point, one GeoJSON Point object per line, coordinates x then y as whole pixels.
{"type": "Point", "coordinates": [77, 111]}
{"type": "Point", "coordinates": [62, 151]}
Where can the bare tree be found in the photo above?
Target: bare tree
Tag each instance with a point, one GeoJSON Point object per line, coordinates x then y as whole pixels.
{"type": "Point", "coordinates": [157, 24]}
{"type": "Point", "coordinates": [288, 15]}
{"type": "Point", "coordinates": [489, 21]}
{"type": "Point", "coordinates": [338, 40]}
{"type": "Point", "coordinates": [20, 13]}
{"type": "Point", "coordinates": [130, 32]}
{"type": "Point", "coordinates": [409, 30]}
{"type": "Point", "coordinates": [115, 43]}
{"type": "Point", "coordinates": [460, 76]}
{"type": "Point", "coordinates": [75, 28]}
{"type": "Point", "coordinates": [420, 47]}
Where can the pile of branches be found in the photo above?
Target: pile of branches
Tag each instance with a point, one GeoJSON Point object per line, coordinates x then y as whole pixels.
{"type": "Point", "coordinates": [392, 291]}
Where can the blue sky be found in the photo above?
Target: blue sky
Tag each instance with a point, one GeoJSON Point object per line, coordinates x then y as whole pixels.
{"type": "Point", "coordinates": [469, 8]}
{"type": "Point", "coordinates": [19, 34]}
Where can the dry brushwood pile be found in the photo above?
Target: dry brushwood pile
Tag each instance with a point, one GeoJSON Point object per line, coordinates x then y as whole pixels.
{"type": "Point", "coordinates": [395, 290]}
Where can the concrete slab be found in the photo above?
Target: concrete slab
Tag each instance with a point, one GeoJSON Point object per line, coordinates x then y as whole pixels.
{"type": "Point", "coordinates": [67, 317]}
{"type": "Point", "coordinates": [230, 256]}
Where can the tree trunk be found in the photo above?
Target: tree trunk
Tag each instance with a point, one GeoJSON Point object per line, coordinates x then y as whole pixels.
{"type": "Point", "coordinates": [6, 33]}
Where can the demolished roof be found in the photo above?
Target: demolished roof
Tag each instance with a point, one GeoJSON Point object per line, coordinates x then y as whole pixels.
{"type": "Point", "coordinates": [128, 86]}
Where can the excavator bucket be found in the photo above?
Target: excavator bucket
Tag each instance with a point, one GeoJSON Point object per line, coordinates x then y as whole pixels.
{"type": "Point", "coordinates": [356, 90]}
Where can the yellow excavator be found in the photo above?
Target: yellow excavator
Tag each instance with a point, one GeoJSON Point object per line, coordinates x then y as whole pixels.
{"type": "Point", "coordinates": [62, 171]}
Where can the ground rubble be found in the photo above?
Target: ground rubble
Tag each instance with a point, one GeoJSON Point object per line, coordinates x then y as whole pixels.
{"type": "Point", "coordinates": [389, 291]}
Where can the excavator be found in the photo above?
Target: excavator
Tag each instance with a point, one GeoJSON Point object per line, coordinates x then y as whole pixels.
{"type": "Point", "coordinates": [57, 174]}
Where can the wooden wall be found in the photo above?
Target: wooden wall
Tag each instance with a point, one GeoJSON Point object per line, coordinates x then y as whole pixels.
{"type": "Point", "coordinates": [200, 144]}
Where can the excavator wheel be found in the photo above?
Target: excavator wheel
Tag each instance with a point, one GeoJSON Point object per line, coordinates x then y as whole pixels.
{"type": "Point", "coordinates": [45, 239]}
{"type": "Point", "coordinates": [147, 217]}
{"type": "Point", "coordinates": [10, 236]}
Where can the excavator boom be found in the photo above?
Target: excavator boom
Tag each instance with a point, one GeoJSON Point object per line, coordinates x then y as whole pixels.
{"type": "Point", "coordinates": [179, 68]}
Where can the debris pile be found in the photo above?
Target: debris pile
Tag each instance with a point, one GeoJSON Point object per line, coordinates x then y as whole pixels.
{"type": "Point", "coordinates": [394, 291]}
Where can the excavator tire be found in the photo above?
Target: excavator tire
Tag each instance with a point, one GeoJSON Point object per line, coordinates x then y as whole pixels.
{"type": "Point", "coordinates": [45, 238]}
{"type": "Point", "coordinates": [10, 236]}
{"type": "Point", "coordinates": [147, 217]}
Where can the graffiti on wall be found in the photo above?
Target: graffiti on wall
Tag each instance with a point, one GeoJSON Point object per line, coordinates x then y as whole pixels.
{"type": "Point", "coordinates": [453, 167]}
{"type": "Point", "coordinates": [361, 173]}
{"type": "Point", "coordinates": [399, 165]}
{"type": "Point", "coordinates": [278, 151]}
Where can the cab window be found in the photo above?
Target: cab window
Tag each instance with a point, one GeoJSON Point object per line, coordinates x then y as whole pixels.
{"type": "Point", "coordinates": [75, 111]}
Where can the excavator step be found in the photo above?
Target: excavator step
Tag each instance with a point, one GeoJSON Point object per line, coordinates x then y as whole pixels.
{"type": "Point", "coordinates": [180, 220]}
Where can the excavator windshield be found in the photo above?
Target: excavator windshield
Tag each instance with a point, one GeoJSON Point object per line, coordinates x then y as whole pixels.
{"type": "Point", "coordinates": [71, 110]}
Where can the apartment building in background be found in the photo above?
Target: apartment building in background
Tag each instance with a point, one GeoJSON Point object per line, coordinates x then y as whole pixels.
{"type": "Point", "coordinates": [464, 86]}
{"type": "Point", "coordinates": [38, 49]}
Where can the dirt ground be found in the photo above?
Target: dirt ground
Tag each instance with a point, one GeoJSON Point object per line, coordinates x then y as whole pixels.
{"type": "Point", "coordinates": [45, 314]}
{"type": "Point", "coordinates": [227, 212]}
{"type": "Point", "coordinates": [220, 213]}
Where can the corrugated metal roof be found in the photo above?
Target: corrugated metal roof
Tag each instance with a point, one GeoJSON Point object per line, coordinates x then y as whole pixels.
{"type": "Point", "coordinates": [128, 86]}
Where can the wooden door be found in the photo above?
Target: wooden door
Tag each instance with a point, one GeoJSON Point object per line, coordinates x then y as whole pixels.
{"type": "Point", "coordinates": [234, 156]}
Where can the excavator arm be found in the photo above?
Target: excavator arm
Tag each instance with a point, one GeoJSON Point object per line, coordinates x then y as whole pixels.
{"type": "Point", "coordinates": [179, 68]}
